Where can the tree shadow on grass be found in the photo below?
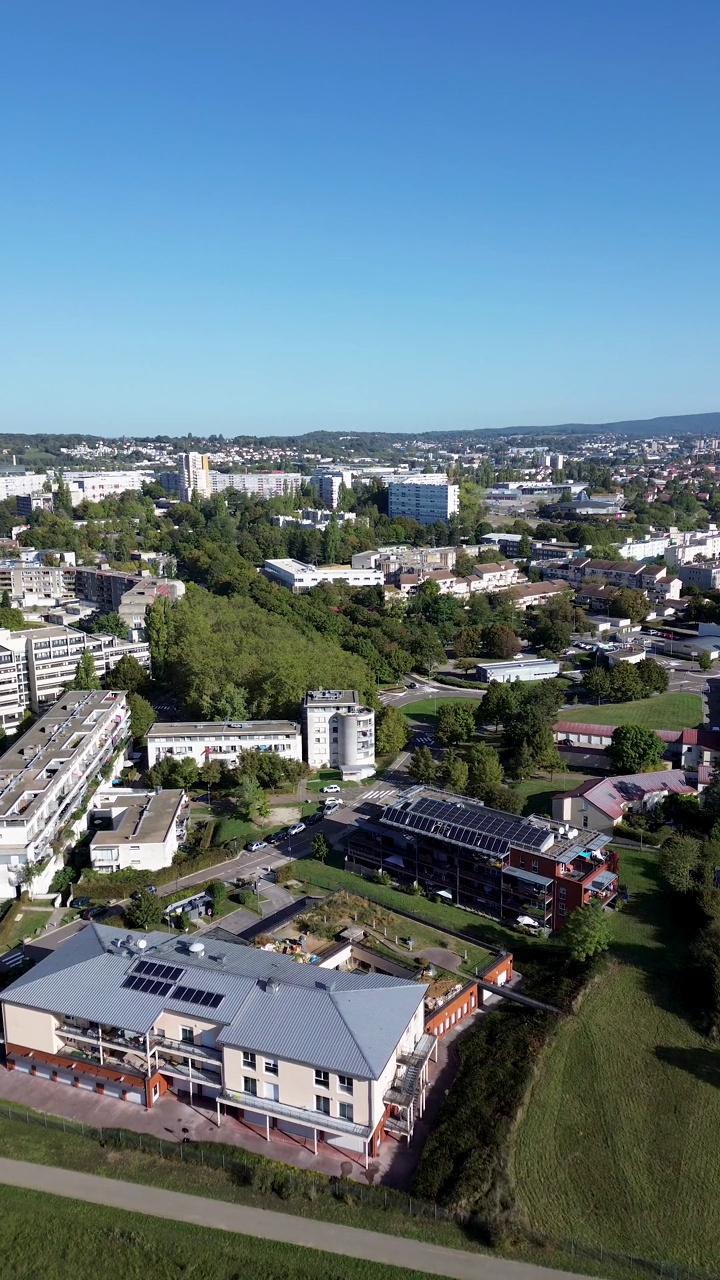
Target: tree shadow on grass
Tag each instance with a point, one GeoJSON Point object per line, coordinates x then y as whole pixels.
{"type": "Point", "coordinates": [704, 1064]}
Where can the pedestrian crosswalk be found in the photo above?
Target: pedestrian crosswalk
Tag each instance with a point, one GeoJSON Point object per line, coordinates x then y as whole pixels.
{"type": "Point", "coordinates": [380, 793]}
{"type": "Point", "coordinates": [424, 739]}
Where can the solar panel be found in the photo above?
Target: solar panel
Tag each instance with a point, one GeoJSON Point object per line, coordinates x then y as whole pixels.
{"type": "Point", "coordinates": [169, 972]}
{"type": "Point", "coordinates": [194, 995]}
{"type": "Point", "coordinates": [138, 982]}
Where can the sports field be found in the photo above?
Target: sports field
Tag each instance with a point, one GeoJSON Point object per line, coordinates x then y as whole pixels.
{"type": "Point", "coordinates": [619, 1144]}
{"type": "Point", "coordinates": [664, 711]}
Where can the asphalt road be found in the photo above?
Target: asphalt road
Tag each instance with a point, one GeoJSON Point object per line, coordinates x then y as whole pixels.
{"type": "Point", "coordinates": [264, 1224]}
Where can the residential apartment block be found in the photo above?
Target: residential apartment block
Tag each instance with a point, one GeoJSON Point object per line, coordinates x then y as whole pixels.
{"type": "Point", "coordinates": [298, 577]}
{"type": "Point", "coordinates": [484, 859]}
{"type": "Point", "coordinates": [136, 830]}
{"type": "Point", "coordinates": [261, 484]}
{"type": "Point", "coordinates": [654, 580]}
{"type": "Point", "coordinates": [601, 803]}
{"type": "Point", "coordinates": [403, 559]}
{"type": "Point", "coordinates": [35, 666]}
{"type": "Point", "coordinates": [339, 732]}
{"type": "Point", "coordinates": [425, 498]}
{"type": "Point", "coordinates": [313, 1052]}
{"type": "Point", "coordinates": [194, 473]}
{"type": "Point", "coordinates": [684, 748]}
{"type": "Point", "coordinates": [43, 777]}
{"type": "Point", "coordinates": [215, 741]}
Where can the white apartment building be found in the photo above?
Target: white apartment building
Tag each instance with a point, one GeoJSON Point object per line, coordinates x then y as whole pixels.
{"type": "Point", "coordinates": [94, 486]}
{"type": "Point", "coordinates": [135, 602]}
{"type": "Point", "coordinates": [194, 473]}
{"type": "Point", "coordinates": [425, 498]}
{"type": "Point", "coordinates": [53, 654]}
{"type": "Point", "coordinates": [210, 740]}
{"type": "Point", "coordinates": [32, 584]}
{"type": "Point", "coordinates": [136, 830]}
{"type": "Point", "coordinates": [298, 577]}
{"type": "Point", "coordinates": [339, 732]}
{"type": "Point", "coordinates": [21, 483]}
{"type": "Point", "coordinates": [687, 546]}
{"type": "Point", "coordinates": [261, 484]}
{"type": "Point", "coordinates": [328, 484]}
{"type": "Point", "coordinates": [393, 560]}
{"type": "Point", "coordinates": [316, 1053]}
{"type": "Point", "coordinates": [43, 778]}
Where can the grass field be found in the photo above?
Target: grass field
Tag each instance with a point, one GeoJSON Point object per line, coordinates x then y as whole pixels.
{"type": "Point", "coordinates": [424, 711]}
{"type": "Point", "coordinates": [15, 930]}
{"type": "Point", "coordinates": [76, 1237]}
{"type": "Point", "coordinates": [619, 1143]}
{"type": "Point", "coordinates": [537, 793]}
{"type": "Point", "coordinates": [665, 711]}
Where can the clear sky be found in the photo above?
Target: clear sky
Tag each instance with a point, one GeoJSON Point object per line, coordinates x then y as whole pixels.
{"type": "Point", "coordinates": [226, 216]}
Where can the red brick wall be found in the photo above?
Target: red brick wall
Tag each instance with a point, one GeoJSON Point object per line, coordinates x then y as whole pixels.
{"type": "Point", "coordinates": [453, 1011]}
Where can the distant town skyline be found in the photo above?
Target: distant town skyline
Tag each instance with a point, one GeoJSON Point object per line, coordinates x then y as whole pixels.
{"type": "Point", "coordinates": [236, 220]}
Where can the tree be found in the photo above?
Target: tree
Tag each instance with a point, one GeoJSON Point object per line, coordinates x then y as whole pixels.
{"type": "Point", "coordinates": [160, 627]}
{"type": "Point", "coordinates": [652, 676]}
{"type": "Point", "coordinates": [391, 731]}
{"type": "Point", "coordinates": [628, 603]}
{"type": "Point", "coordinates": [527, 741]}
{"type": "Point", "coordinates": [500, 704]}
{"type": "Point", "coordinates": [587, 931]}
{"type": "Point", "coordinates": [704, 660]}
{"type": "Point", "coordinates": [464, 564]}
{"type": "Point", "coordinates": [679, 859]}
{"type": "Point", "coordinates": [5, 601]}
{"type": "Point", "coordinates": [635, 749]}
{"type": "Point", "coordinates": [170, 773]}
{"type": "Point", "coordinates": [597, 683]}
{"type": "Point", "coordinates": [227, 703]}
{"type": "Point", "coordinates": [524, 547]}
{"type": "Point", "coordinates": [247, 793]}
{"type": "Point", "coordinates": [85, 673]}
{"type": "Point", "coordinates": [499, 641]}
{"type": "Point", "coordinates": [551, 626]}
{"type": "Point", "coordinates": [142, 717]}
{"type": "Point", "coordinates": [319, 847]}
{"type": "Point", "coordinates": [467, 642]}
{"type": "Point", "coordinates": [62, 503]}
{"type": "Point", "coordinates": [455, 723]}
{"type": "Point", "coordinates": [428, 651]}
{"type": "Point", "coordinates": [218, 891]}
{"type": "Point", "coordinates": [503, 798]}
{"type": "Point", "coordinates": [144, 912]}
{"type": "Point", "coordinates": [485, 771]}
{"type": "Point", "coordinates": [108, 624]}
{"type": "Point", "coordinates": [128, 674]}
{"type": "Point", "coordinates": [422, 767]}
{"type": "Point", "coordinates": [454, 772]}
{"type": "Point", "coordinates": [625, 683]}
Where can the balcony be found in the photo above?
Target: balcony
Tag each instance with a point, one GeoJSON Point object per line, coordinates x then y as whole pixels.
{"type": "Point", "coordinates": [299, 1115]}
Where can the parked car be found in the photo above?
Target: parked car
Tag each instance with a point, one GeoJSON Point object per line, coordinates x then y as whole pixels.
{"type": "Point", "coordinates": [255, 845]}
{"type": "Point", "coordinates": [92, 913]}
{"type": "Point", "coordinates": [296, 829]}
{"type": "Point", "coordinates": [79, 902]}
{"type": "Point", "coordinates": [332, 805]}
{"type": "Point", "coordinates": [314, 817]}
{"type": "Point", "coordinates": [279, 836]}
{"type": "Point", "coordinates": [412, 684]}
{"type": "Point", "coordinates": [333, 786]}
{"type": "Point", "coordinates": [150, 888]}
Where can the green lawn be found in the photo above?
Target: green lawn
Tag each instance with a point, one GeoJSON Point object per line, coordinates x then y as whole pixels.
{"type": "Point", "coordinates": [75, 1237]}
{"type": "Point", "coordinates": [424, 710]}
{"type": "Point", "coordinates": [15, 930]}
{"type": "Point", "coordinates": [665, 711]}
{"type": "Point", "coordinates": [619, 1142]}
{"type": "Point", "coordinates": [537, 793]}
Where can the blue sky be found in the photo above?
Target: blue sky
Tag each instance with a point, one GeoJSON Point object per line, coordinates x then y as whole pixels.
{"type": "Point", "coordinates": [218, 216]}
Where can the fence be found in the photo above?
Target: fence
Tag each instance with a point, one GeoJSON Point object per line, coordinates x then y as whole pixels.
{"type": "Point", "coordinates": [270, 1176]}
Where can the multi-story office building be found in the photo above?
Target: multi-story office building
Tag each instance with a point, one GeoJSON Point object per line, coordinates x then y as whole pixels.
{"type": "Point", "coordinates": [298, 577]}
{"type": "Point", "coordinates": [194, 473]}
{"type": "Point", "coordinates": [43, 778]}
{"type": "Point", "coordinates": [425, 498]}
{"type": "Point", "coordinates": [261, 484]}
{"type": "Point", "coordinates": [339, 732]}
{"type": "Point", "coordinates": [484, 859]}
{"type": "Point", "coordinates": [136, 830]}
{"type": "Point", "coordinates": [215, 741]}
{"type": "Point", "coordinates": [314, 1052]}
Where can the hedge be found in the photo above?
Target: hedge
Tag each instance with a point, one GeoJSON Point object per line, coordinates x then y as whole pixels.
{"type": "Point", "coordinates": [120, 884]}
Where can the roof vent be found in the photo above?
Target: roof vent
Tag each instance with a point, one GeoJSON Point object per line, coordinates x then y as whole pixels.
{"type": "Point", "coordinates": [129, 940]}
{"type": "Point", "coordinates": [141, 944]}
{"type": "Point", "coordinates": [272, 986]}
{"type": "Point", "coordinates": [197, 948]}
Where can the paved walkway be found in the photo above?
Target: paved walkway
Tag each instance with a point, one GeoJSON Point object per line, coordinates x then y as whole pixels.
{"type": "Point", "coordinates": [264, 1224]}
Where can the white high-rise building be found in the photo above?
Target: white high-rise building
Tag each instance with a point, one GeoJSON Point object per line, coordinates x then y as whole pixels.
{"type": "Point", "coordinates": [425, 498]}
{"type": "Point", "coordinates": [339, 732]}
{"type": "Point", "coordinates": [194, 469]}
{"type": "Point", "coordinates": [327, 485]}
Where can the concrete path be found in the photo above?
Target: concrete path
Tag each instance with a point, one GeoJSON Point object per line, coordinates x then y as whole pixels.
{"type": "Point", "coordinates": [264, 1224]}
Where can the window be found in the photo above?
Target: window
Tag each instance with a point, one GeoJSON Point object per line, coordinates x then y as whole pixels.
{"type": "Point", "coordinates": [562, 891]}
{"type": "Point", "coordinates": [586, 820]}
{"type": "Point", "coordinates": [322, 1079]}
{"type": "Point", "coordinates": [250, 1086]}
{"type": "Point", "coordinates": [535, 865]}
{"type": "Point", "coordinates": [249, 1060]}
{"type": "Point", "coordinates": [322, 1105]}
{"type": "Point", "coordinates": [522, 863]}
{"type": "Point", "coordinates": [345, 1084]}
{"type": "Point", "coordinates": [271, 1067]}
{"type": "Point", "coordinates": [345, 1111]}
{"type": "Point", "coordinates": [272, 1091]}
{"type": "Point", "coordinates": [561, 908]}
{"type": "Point", "coordinates": [187, 1035]}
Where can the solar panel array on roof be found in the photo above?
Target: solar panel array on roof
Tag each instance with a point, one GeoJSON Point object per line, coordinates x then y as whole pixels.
{"type": "Point", "coordinates": [168, 972]}
{"type": "Point", "coordinates": [194, 995]}
{"type": "Point", "coordinates": [153, 987]}
{"type": "Point", "coordinates": [476, 828]}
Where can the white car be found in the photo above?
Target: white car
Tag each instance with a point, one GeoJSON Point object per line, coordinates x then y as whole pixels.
{"type": "Point", "coordinates": [331, 805]}
{"type": "Point", "coordinates": [332, 787]}
{"type": "Point", "coordinates": [295, 831]}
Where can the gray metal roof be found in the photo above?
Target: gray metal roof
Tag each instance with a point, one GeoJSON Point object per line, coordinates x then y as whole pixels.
{"type": "Point", "coordinates": [342, 1022]}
